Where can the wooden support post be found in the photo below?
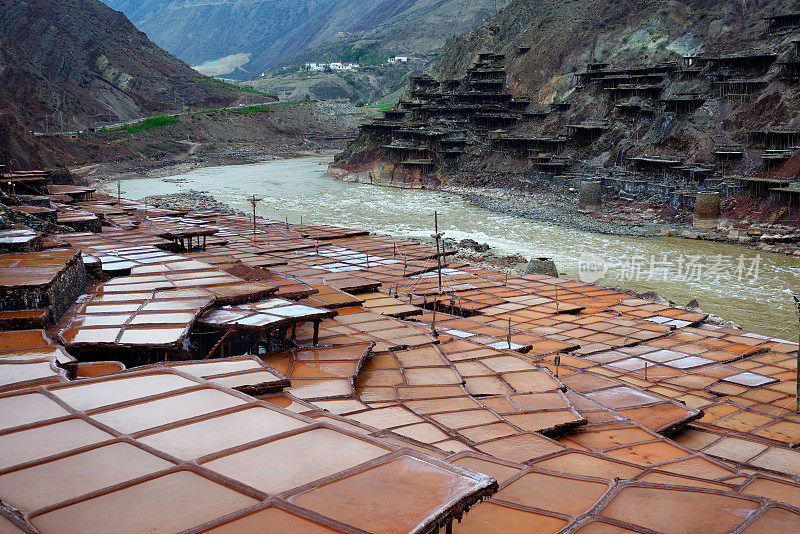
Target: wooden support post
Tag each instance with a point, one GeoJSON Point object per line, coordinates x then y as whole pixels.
{"type": "Point", "coordinates": [218, 345]}
{"type": "Point", "coordinates": [315, 339]}
{"type": "Point", "coordinates": [254, 200]}
{"type": "Point", "coordinates": [556, 300]}
{"type": "Point", "coordinates": [437, 236]}
{"type": "Point", "coordinates": [294, 330]}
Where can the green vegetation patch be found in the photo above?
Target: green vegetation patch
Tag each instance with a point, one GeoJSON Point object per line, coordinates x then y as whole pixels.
{"type": "Point", "coordinates": [152, 123]}
{"type": "Point", "coordinates": [292, 69]}
{"type": "Point", "coordinates": [375, 110]}
{"type": "Point", "coordinates": [260, 108]}
{"type": "Point", "coordinates": [159, 121]}
{"type": "Point", "coordinates": [362, 56]}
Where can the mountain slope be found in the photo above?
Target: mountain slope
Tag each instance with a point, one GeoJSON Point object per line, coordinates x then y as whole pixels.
{"type": "Point", "coordinates": [271, 32]}
{"type": "Point", "coordinates": [418, 28]}
{"type": "Point", "coordinates": [694, 90]}
{"type": "Point", "coordinates": [565, 35]}
{"type": "Point", "coordinates": [81, 62]}
{"type": "Point", "coordinates": [268, 30]}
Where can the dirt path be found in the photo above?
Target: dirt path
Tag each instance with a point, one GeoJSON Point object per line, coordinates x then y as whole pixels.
{"type": "Point", "coordinates": [193, 146]}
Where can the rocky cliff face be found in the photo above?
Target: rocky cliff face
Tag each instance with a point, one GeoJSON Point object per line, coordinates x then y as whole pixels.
{"type": "Point", "coordinates": [692, 89]}
{"type": "Point", "coordinates": [564, 36]}
{"type": "Point", "coordinates": [82, 63]}
{"type": "Point", "coordinates": [20, 150]}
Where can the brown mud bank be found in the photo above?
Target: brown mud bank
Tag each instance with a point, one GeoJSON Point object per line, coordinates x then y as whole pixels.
{"type": "Point", "coordinates": [369, 168]}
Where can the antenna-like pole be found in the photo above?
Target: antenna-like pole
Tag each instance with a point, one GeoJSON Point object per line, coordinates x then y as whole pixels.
{"type": "Point", "coordinates": [437, 236]}
{"type": "Point", "coordinates": [254, 200]}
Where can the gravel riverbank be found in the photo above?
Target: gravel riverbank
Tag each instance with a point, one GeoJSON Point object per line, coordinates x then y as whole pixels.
{"type": "Point", "coordinates": [190, 200]}
{"type": "Point", "coordinates": [548, 207]}
{"type": "Point", "coordinates": [639, 219]}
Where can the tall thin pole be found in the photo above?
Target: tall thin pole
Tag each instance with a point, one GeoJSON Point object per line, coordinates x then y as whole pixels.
{"type": "Point", "coordinates": [437, 236]}
{"type": "Point", "coordinates": [119, 193]}
{"type": "Point", "coordinates": [254, 200]}
{"type": "Point", "coordinates": [556, 299]}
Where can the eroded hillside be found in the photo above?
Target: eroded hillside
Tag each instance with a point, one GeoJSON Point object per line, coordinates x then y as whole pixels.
{"type": "Point", "coordinates": [686, 89]}
{"type": "Point", "coordinates": [77, 62]}
{"type": "Point", "coordinates": [266, 33]}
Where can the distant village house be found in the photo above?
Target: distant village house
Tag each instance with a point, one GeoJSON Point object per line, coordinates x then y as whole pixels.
{"type": "Point", "coordinates": [330, 66]}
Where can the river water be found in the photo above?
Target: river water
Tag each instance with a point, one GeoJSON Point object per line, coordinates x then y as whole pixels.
{"type": "Point", "coordinates": [751, 288]}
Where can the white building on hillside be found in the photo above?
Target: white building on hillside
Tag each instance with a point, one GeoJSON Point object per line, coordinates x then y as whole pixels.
{"type": "Point", "coordinates": [331, 66]}
{"type": "Point", "coordinates": [398, 59]}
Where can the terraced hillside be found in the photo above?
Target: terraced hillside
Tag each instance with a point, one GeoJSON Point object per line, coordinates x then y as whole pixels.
{"type": "Point", "coordinates": [685, 93]}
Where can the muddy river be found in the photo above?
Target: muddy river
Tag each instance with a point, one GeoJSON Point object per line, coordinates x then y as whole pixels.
{"type": "Point", "coordinates": [751, 288]}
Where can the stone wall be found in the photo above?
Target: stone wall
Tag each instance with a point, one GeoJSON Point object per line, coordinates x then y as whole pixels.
{"type": "Point", "coordinates": [57, 296]}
